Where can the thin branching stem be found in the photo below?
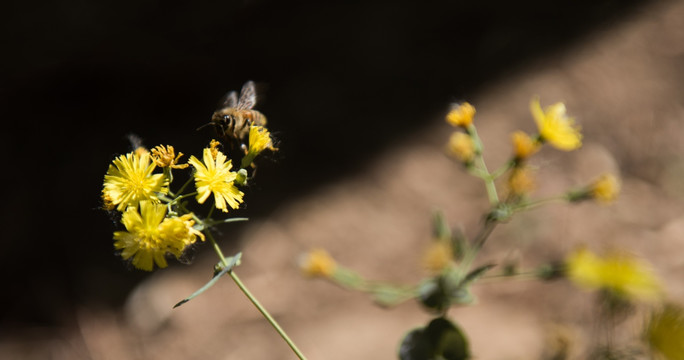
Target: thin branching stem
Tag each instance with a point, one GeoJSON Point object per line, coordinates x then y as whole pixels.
{"type": "Point", "coordinates": [254, 300]}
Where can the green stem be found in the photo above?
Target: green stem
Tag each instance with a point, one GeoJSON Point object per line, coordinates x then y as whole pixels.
{"type": "Point", "coordinates": [480, 163]}
{"type": "Point", "coordinates": [541, 202]}
{"type": "Point", "coordinates": [255, 302]}
{"type": "Point", "coordinates": [266, 315]}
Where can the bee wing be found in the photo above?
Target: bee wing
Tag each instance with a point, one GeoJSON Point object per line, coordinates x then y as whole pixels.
{"type": "Point", "coordinates": [247, 97]}
{"type": "Point", "coordinates": [228, 101]}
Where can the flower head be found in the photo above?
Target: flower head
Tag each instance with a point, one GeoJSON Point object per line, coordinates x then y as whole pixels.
{"type": "Point", "coordinates": [149, 235]}
{"type": "Point", "coordinates": [318, 263]}
{"type": "Point", "coordinates": [621, 274]}
{"type": "Point", "coordinates": [521, 181]}
{"type": "Point", "coordinates": [555, 127]}
{"type": "Point", "coordinates": [129, 180]}
{"type": "Point", "coordinates": [523, 145]}
{"type": "Point", "coordinates": [166, 157]}
{"type": "Point", "coordinates": [438, 256]}
{"type": "Point", "coordinates": [462, 147]}
{"type": "Point", "coordinates": [606, 188]}
{"type": "Point", "coordinates": [461, 115]}
{"type": "Point", "coordinates": [213, 176]}
{"type": "Point", "coordinates": [259, 140]}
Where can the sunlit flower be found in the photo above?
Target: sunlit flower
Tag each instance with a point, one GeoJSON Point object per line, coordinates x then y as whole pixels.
{"type": "Point", "coordinates": [318, 263]}
{"type": "Point", "coordinates": [149, 235]}
{"type": "Point", "coordinates": [523, 145]}
{"type": "Point", "coordinates": [619, 273]}
{"type": "Point", "coordinates": [461, 146]}
{"type": "Point", "coordinates": [437, 257]}
{"type": "Point", "coordinates": [213, 176]}
{"type": "Point", "coordinates": [461, 115]}
{"type": "Point", "coordinates": [555, 126]}
{"type": "Point", "coordinates": [259, 140]}
{"type": "Point", "coordinates": [166, 157]}
{"type": "Point", "coordinates": [606, 188]}
{"type": "Point", "coordinates": [521, 181]}
{"type": "Point", "coordinates": [129, 180]}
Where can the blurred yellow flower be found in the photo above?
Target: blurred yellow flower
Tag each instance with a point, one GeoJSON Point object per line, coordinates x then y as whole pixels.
{"type": "Point", "coordinates": [149, 235]}
{"type": "Point", "coordinates": [523, 145]}
{"type": "Point", "coordinates": [521, 181]}
{"type": "Point", "coordinates": [555, 127]}
{"type": "Point", "coordinates": [213, 176]}
{"type": "Point", "coordinates": [129, 180]}
{"type": "Point", "coordinates": [461, 115]}
{"type": "Point", "coordinates": [606, 188]}
{"type": "Point", "coordinates": [461, 146]}
{"type": "Point", "coordinates": [437, 257]}
{"type": "Point", "coordinates": [166, 157]}
{"type": "Point", "coordinates": [318, 263]}
{"type": "Point", "coordinates": [665, 332]}
{"type": "Point", "coordinates": [621, 274]}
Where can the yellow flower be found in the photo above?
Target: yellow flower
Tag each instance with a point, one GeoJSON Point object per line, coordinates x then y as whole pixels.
{"type": "Point", "coordinates": [129, 180]}
{"type": "Point", "coordinates": [438, 257]}
{"type": "Point", "coordinates": [606, 188]}
{"type": "Point", "coordinates": [665, 332]}
{"type": "Point", "coordinates": [149, 235]}
{"type": "Point", "coordinates": [259, 140]}
{"type": "Point", "coordinates": [521, 181]}
{"type": "Point", "coordinates": [318, 263]}
{"type": "Point", "coordinates": [461, 115]}
{"type": "Point", "coordinates": [461, 146]}
{"type": "Point", "coordinates": [213, 175]}
{"type": "Point", "coordinates": [166, 157]}
{"type": "Point", "coordinates": [621, 274]}
{"type": "Point", "coordinates": [523, 145]}
{"type": "Point", "coordinates": [555, 127]}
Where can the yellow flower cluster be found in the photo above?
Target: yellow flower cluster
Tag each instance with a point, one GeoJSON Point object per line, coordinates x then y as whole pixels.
{"type": "Point", "coordinates": [150, 235]}
{"type": "Point", "coordinates": [153, 229]}
{"type": "Point", "coordinates": [620, 274]}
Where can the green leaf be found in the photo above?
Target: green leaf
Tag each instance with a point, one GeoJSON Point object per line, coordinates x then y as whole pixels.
{"type": "Point", "coordinates": [459, 243]}
{"type": "Point", "coordinates": [475, 274]}
{"type": "Point", "coordinates": [389, 295]}
{"type": "Point", "coordinates": [439, 340]}
{"type": "Point", "coordinates": [232, 261]}
{"type": "Point", "coordinates": [440, 228]}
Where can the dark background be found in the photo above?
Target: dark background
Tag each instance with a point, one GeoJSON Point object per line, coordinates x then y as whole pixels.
{"type": "Point", "coordinates": [339, 82]}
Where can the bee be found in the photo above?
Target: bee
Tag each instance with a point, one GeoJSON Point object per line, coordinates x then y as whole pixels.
{"type": "Point", "coordinates": [235, 115]}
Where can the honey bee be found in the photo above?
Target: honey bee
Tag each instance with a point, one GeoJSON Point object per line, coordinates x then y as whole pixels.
{"type": "Point", "coordinates": [235, 115]}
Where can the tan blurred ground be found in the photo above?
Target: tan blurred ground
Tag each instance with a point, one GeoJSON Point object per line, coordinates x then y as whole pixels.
{"type": "Point", "coordinates": [625, 86]}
